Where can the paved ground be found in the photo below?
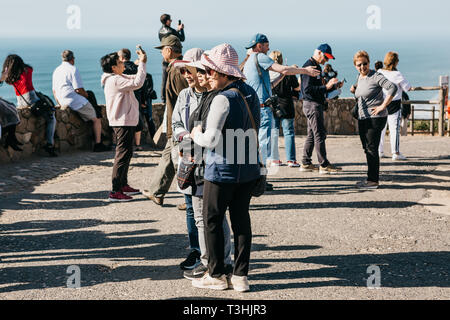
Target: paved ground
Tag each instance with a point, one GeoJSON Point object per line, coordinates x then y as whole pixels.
{"type": "Point", "coordinates": [314, 236]}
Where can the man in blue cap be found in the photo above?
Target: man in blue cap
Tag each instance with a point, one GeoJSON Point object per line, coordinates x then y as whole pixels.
{"type": "Point", "coordinates": [256, 71]}
{"type": "Point", "coordinates": [314, 91]}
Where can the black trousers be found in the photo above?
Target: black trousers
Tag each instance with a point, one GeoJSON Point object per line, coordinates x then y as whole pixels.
{"type": "Point", "coordinates": [217, 198]}
{"type": "Point", "coordinates": [124, 152]}
{"type": "Point", "coordinates": [370, 134]}
{"type": "Point", "coordinates": [317, 134]}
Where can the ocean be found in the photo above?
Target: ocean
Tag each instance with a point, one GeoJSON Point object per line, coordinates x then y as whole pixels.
{"type": "Point", "coordinates": [422, 62]}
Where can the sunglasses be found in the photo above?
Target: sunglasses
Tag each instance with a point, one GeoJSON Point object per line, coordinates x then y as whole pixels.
{"type": "Point", "coordinates": [362, 64]}
{"type": "Point", "coordinates": [209, 71]}
{"type": "Point", "coordinates": [183, 71]}
{"type": "Point", "coordinates": [201, 71]}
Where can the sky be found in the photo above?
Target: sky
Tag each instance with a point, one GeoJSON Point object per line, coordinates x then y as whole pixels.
{"type": "Point", "coordinates": [232, 18]}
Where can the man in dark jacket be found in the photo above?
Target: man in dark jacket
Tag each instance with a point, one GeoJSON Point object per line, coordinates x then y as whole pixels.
{"type": "Point", "coordinates": [165, 31]}
{"type": "Point", "coordinates": [314, 91]}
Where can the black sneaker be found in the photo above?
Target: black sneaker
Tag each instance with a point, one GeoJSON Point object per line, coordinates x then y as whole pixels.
{"type": "Point", "coordinates": [100, 147]}
{"type": "Point", "coordinates": [196, 273]}
{"type": "Point", "coordinates": [191, 261]}
{"type": "Point", "coordinates": [269, 187]}
{"type": "Point", "coordinates": [50, 150]}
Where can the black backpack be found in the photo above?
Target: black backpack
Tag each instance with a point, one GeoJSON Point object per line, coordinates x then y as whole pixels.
{"type": "Point", "coordinates": [147, 88]}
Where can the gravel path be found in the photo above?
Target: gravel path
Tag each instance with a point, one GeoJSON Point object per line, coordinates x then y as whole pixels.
{"type": "Point", "coordinates": [314, 236]}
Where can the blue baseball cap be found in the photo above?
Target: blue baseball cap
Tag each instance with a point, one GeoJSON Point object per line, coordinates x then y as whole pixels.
{"type": "Point", "coordinates": [326, 49]}
{"type": "Point", "coordinates": [257, 38]}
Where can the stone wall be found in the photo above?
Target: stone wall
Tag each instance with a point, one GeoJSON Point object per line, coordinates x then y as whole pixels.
{"type": "Point", "coordinates": [338, 118]}
{"type": "Point", "coordinates": [72, 133]}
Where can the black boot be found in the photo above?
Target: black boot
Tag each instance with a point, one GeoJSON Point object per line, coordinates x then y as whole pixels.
{"type": "Point", "coordinates": [51, 150]}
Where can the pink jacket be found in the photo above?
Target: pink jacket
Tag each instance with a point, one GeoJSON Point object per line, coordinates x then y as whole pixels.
{"type": "Point", "coordinates": [122, 107]}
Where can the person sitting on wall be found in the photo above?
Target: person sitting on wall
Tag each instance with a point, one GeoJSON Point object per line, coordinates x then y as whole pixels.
{"type": "Point", "coordinates": [68, 91]}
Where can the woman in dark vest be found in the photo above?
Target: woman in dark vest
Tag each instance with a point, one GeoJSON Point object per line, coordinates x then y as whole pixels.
{"type": "Point", "coordinates": [231, 167]}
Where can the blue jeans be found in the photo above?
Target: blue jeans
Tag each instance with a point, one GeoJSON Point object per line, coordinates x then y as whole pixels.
{"type": "Point", "coordinates": [50, 122]}
{"type": "Point", "coordinates": [190, 222]}
{"type": "Point", "coordinates": [289, 139]}
{"type": "Point", "coordinates": [265, 132]}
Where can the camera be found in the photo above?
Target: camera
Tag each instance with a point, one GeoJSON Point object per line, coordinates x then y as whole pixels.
{"type": "Point", "coordinates": [272, 102]}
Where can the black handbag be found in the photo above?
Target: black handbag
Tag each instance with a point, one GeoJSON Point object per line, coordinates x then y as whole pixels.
{"type": "Point", "coordinates": [186, 174]}
{"type": "Point", "coordinates": [44, 106]}
{"type": "Point", "coordinates": [260, 186]}
{"type": "Point", "coordinates": [186, 169]}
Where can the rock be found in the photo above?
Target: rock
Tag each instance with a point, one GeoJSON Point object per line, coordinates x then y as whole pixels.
{"type": "Point", "coordinates": [24, 138]}
{"type": "Point", "coordinates": [61, 131]}
{"type": "Point", "coordinates": [75, 120]}
{"type": "Point", "coordinates": [22, 126]}
{"type": "Point", "coordinates": [64, 146]}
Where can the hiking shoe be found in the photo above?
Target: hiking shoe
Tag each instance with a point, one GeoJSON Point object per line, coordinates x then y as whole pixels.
{"type": "Point", "coordinates": [240, 283]}
{"type": "Point", "coordinates": [329, 169]}
{"type": "Point", "coordinates": [129, 191]}
{"type": "Point", "coordinates": [208, 282]}
{"type": "Point", "coordinates": [198, 272]}
{"type": "Point", "coordinates": [181, 207]}
{"type": "Point", "coordinates": [370, 185]}
{"type": "Point", "coordinates": [118, 197]}
{"type": "Point", "coordinates": [191, 261]}
{"type": "Point", "coordinates": [276, 163]}
{"type": "Point", "coordinates": [308, 168]}
{"type": "Point", "coordinates": [158, 200]}
{"type": "Point", "coordinates": [293, 164]}
{"type": "Point", "coordinates": [397, 157]}
{"type": "Point", "coordinates": [100, 147]}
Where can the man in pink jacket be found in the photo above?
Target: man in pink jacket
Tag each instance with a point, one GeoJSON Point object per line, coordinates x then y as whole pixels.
{"type": "Point", "coordinates": [122, 110]}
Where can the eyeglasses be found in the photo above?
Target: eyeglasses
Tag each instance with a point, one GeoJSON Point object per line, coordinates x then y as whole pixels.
{"type": "Point", "coordinates": [362, 64]}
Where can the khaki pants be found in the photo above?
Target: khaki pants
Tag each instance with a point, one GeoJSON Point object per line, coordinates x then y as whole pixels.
{"type": "Point", "coordinates": [165, 172]}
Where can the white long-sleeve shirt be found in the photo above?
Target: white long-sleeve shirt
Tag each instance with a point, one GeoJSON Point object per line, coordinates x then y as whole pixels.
{"type": "Point", "coordinates": [399, 80]}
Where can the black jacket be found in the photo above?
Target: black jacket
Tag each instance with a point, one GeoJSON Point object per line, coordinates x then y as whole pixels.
{"type": "Point", "coordinates": [166, 31]}
{"type": "Point", "coordinates": [313, 88]}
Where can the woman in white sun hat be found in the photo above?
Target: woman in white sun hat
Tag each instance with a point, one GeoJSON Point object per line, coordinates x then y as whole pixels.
{"type": "Point", "coordinates": [232, 167]}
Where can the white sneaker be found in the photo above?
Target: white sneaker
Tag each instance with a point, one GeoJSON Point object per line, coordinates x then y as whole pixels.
{"type": "Point", "coordinates": [240, 283]}
{"type": "Point", "coordinates": [399, 156]}
{"type": "Point", "coordinates": [381, 154]}
{"type": "Point", "coordinates": [208, 282]}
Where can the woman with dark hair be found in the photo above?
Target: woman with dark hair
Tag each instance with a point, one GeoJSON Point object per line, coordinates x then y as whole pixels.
{"type": "Point", "coordinates": [229, 176]}
{"type": "Point", "coordinates": [122, 109]}
{"type": "Point", "coordinates": [372, 113]}
{"type": "Point", "coordinates": [19, 75]}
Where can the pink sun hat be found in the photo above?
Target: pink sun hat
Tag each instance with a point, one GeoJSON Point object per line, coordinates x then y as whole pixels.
{"type": "Point", "coordinates": [223, 59]}
{"type": "Point", "coordinates": [190, 56]}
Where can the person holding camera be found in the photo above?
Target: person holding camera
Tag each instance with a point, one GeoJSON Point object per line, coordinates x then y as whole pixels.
{"type": "Point", "coordinates": [165, 31]}
{"type": "Point", "coordinates": [314, 91]}
{"type": "Point", "coordinates": [122, 109]}
{"type": "Point", "coordinates": [19, 75]}
{"type": "Point", "coordinates": [286, 90]}
{"type": "Point", "coordinates": [256, 71]}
